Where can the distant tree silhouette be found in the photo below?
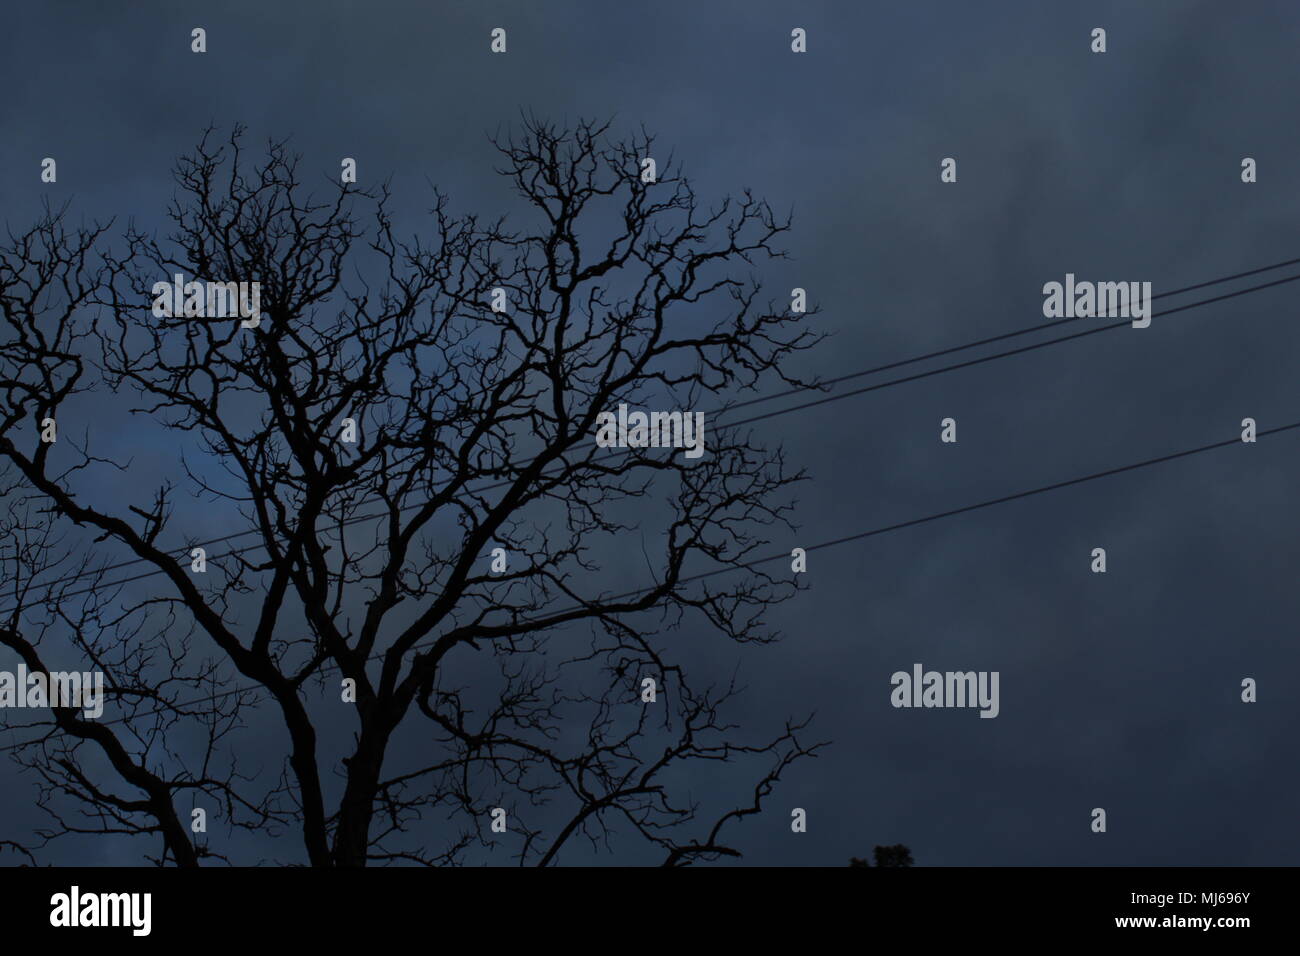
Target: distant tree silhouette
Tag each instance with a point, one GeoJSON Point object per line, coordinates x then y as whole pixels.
{"type": "Point", "coordinates": [896, 855]}
{"type": "Point", "coordinates": [476, 688]}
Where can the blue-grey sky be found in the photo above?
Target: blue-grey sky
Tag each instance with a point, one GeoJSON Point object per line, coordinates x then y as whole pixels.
{"type": "Point", "coordinates": [1119, 690]}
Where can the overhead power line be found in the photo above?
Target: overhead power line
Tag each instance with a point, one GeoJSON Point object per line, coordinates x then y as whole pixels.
{"type": "Point", "coordinates": [1000, 338]}
{"type": "Point", "coordinates": [1095, 330]}
{"type": "Point", "coordinates": [785, 555]}
{"type": "Point", "coordinates": [359, 519]}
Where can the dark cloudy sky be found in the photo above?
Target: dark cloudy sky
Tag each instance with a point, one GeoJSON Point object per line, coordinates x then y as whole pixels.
{"type": "Point", "coordinates": [1120, 690]}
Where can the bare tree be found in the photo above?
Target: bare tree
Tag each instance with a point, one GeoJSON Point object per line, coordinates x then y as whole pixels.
{"type": "Point", "coordinates": [411, 678]}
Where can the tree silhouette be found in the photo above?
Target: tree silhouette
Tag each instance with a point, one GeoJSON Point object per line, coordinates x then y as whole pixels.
{"type": "Point", "coordinates": [889, 856]}
{"type": "Point", "coordinates": [472, 363]}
